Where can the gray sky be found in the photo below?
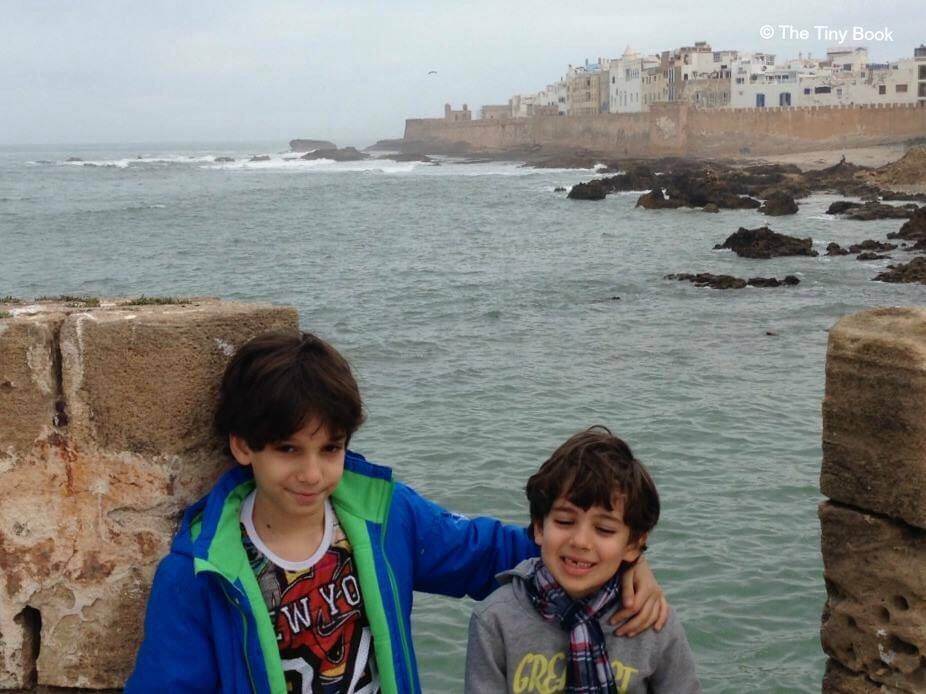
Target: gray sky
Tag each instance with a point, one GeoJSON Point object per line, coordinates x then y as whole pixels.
{"type": "Point", "coordinates": [75, 72]}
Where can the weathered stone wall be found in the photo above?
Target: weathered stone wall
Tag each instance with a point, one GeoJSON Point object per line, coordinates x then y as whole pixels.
{"type": "Point", "coordinates": [681, 130]}
{"type": "Point", "coordinates": [104, 438]}
{"type": "Point", "coordinates": [874, 525]}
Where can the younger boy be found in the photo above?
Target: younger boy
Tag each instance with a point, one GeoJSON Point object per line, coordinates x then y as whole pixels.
{"type": "Point", "coordinates": [296, 572]}
{"type": "Point", "coordinates": [592, 505]}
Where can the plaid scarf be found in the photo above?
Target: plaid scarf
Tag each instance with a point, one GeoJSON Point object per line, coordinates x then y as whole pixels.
{"type": "Point", "coordinates": [589, 669]}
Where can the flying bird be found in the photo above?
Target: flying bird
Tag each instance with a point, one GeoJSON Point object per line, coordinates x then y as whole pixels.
{"type": "Point", "coordinates": [432, 72]}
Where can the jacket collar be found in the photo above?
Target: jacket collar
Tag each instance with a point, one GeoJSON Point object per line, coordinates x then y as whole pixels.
{"type": "Point", "coordinates": [209, 525]}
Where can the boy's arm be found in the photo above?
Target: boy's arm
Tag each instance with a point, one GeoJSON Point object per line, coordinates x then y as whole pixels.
{"type": "Point", "coordinates": [176, 654]}
{"type": "Point", "coordinates": [486, 670]}
{"type": "Point", "coordinates": [457, 556]}
{"type": "Point", "coordinates": [675, 669]}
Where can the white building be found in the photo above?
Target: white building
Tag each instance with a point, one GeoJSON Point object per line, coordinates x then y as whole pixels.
{"type": "Point", "coordinates": [625, 82]}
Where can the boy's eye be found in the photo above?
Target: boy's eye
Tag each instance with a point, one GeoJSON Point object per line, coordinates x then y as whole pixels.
{"type": "Point", "coordinates": [563, 521]}
{"type": "Point", "coordinates": [286, 448]}
{"type": "Point", "coordinates": [334, 447]}
{"type": "Point", "coordinates": [607, 531]}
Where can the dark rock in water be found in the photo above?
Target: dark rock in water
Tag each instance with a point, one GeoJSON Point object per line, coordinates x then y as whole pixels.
{"type": "Point", "coordinates": [912, 272]}
{"type": "Point", "coordinates": [699, 189]}
{"type": "Point", "coordinates": [914, 229]}
{"type": "Point", "coordinates": [593, 190]}
{"type": "Point", "coordinates": [772, 169]}
{"type": "Point", "coordinates": [343, 154]}
{"type": "Point", "coordinates": [409, 156]}
{"type": "Point", "coordinates": [260, 157]}
{"type": "Point", "coordinates": [792, 189]}
{"type": "Point", "coordinates": [309, 145]}
{"type": "Point", "coordinates": [841, 206]}
{"type": "Point", "coordinates": [655, 200]}
{"type": "Point", "coordinates": [836, 249]}
{"type": "Point", "coordinates": [765, 243]}
{"type": "Point", "coordinates": [868, 255]}
{"type": "Point", "coordinates": [73, 159]}
{"type": "Point", "coordinates": [877, 210]}
{"type": "Point", "coordinates": [770, 333]}
{"type": "Point", "coordinates": [894, 195]}
{"type": "Point", "coordinates": [791, 280]}
{"type": "Point", "coordinates": [778, 204]}
{"type": "Point", "coordinates": [871, 245]}
{"type": "Point", "coordinates": [711, 207]}
{"type": "Point", "coordinates": [225, 160]}
{"type": "Point", "coordinates": [707, 279]}
{"type": "Point", "coordinates": [763, 282]}
{"type": "Point", "coordinates": [393, 145]}
{"type": "Point", "coordinates": [559, 189]}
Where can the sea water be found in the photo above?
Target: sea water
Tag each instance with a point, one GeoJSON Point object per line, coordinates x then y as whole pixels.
{"type": "Point", "coordinates": [488, 318]}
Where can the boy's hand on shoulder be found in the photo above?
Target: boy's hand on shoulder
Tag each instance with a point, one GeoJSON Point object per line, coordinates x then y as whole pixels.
{"type": "Point", "coordinates": [644, 604]}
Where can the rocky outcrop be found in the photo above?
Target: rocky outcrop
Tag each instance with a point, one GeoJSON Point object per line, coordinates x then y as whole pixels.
{"type": "Point", "coordinates": [912, 272]}
{"type": "Point", "coordinates": [411, 156]}
{"type": "Point", "coordinates": [777, 204]}
{"type": "Point", "coordinates": [913, 229]}
{"type": "Point", "coordinates": [593, 190]}
{"type": "Point", "coordinates": [910, 169]}
{"type": "Point", "coordinates": [874, 525]}
{"type": "Point", "coordinates": [707, 279]}
{"type": "Point", "coordinates": [835, 249]}
{"type": "Point", "coordinates": [765, 243]}
{"type": "Point", "coordinates": [877, 210]}
{"type": "Point", "coordinates": [656, 200]}
{"type": "Point", "coordinates": [105, 437]}
{"type": "Point", "coordinates": [260, 157]}
{"type": "Point", "coordinates": [309, 145]}
{"type": "Point", "coordinates": [343, 154]}
{"type": "Point", "coordinates": [868, 255]}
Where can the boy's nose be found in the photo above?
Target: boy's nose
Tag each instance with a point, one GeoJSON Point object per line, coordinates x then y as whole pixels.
{"type": "Point", "coordinates": [309, 472]}
{"type": "Point", "coordinates": [581, 538]}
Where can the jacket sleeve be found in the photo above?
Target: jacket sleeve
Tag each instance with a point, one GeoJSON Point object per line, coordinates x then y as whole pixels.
{"type": "Point", "coordinates": [176, 653]}
{"type": "Point", "coordinates": [486, 670]}
{"type": "Point", "coordinates": [675, 670]}
{"type": "Point", "coordinates": [458, 556]}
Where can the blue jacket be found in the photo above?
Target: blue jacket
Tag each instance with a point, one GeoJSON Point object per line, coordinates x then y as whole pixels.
{"type": "Point", "coordinates": [207, 628]}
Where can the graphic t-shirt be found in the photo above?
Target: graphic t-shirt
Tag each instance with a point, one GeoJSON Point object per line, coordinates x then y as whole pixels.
{"type": "Point", "coordinates": [315, 605]}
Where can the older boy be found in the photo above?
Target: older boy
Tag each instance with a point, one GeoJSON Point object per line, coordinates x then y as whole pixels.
{"type": "Point", "coordinates": [296, 572]}
{"type": "Point", "coordinates": [592, 505]}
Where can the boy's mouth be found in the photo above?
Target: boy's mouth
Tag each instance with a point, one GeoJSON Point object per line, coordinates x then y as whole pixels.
{"type": "Point", "coordinates": [577, 567]}
{"type": "Point", "coordinates": [304, 497]}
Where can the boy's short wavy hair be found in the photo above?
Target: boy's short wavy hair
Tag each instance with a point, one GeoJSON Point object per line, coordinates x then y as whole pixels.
{"type": "Point", "coordinates": [278, 382]}
{"type": "Point", "coordinates": [588, 470]}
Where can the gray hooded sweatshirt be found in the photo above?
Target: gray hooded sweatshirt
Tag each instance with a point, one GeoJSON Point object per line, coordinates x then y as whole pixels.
{"type": "Point", "coordinates": [513, 649]}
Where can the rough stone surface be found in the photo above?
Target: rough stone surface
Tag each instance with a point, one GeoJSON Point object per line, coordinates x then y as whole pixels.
{"type": "Point", "coordinates": [841, 680]}
{"type": "Point", "coordinates": [765, 243]}
{"type": "Point", "coordinates": [28, 379]}
{"type": "Point", "coordinates": [91, 505]}
{"type": "Point", "coordinates": [875, 571]}
{"type": "Point", "coordinates": [874, 428]}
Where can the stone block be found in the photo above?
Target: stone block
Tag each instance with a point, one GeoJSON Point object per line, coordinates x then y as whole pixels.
{"type": "Point", "coordinates": [874, 413]}
{"type": "Point", "coordinates": [144, 379]}
{"type": "Point", "coordinates": [90, 505]}
{"type": "Point", "coordinates": [29, 368]}
{"type": "Point", "coordinates": [874, 621]}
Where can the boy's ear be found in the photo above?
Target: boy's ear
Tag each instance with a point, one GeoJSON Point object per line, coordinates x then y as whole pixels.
{"type": "Point", "coordinates": [239, 449]}
{"type": "Point", "coordinates": [538, 532]}
{"type": "Point", "coordinates": [633, 551]}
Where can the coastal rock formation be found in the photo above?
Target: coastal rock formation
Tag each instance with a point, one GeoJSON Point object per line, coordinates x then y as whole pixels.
{"type": "Point", "coordinates": [842, 206]}
{"type": "Point", "coordinates": [343, 154]}
{"type": "Point", "coordinates": [309, 145]}
{"type": "Point", "coordinates": [912, 272]}
{"type": "Point", "coordinates": [777, 204]}
{"type": "Point", "coordinates": [914, 229]}
{"type": "Point", "coordinates": [874, 526]}
{"type": "Point", "coordinates": [910, 169]}
{"type": "Point", "coordinates": [835, 249]}
{"type": "Point", "coordinates": [410, 156]}
{"type": "Point", "coordinates": [593, 190]}
{"type": "Point", "coordinates": [871, 245]}
{"type": "Point", "coordinates": [224, 160]}
{"type": "Point", "coordinates": [711, 207]}
{"type": "Point", "coordinates": [868, 255]}
{"type": "Point", "coordinates": [260, 157]}
{"type": "Point", "coordinates": [877, 210]}
{"type": "Point", "coordinates": [765, 243]}
{"type": "Point", "coordinates": [656, 200]}
{"type": "Point", "coordinates": [707, 279]}
{"type": "Point", "coordinates": [104, 438]}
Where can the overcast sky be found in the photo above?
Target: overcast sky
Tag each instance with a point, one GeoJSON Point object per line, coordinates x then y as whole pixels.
{"type": "Point", "coordinates": [205, 70]}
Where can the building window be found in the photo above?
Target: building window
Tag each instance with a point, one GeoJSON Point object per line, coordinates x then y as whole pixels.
{"type": "Point", "coordinates": [821, 90]}
{"type": "Point", "coordinates": [807, 90]}
{"type": "Point", "coordinates": [900, 88]}
{"type": "Point", "coordinates": [760, 100]}
{"type": "Point", "coordinates": [784, 99]}
{"type": "Point", "coordinates": [882, 89]}
{"type": "Point", "coordinates": [922, 90]}
{"type": "Point", "coordinates": [923, 72]}
{"type": "Point", "coordinates": [839, 92]}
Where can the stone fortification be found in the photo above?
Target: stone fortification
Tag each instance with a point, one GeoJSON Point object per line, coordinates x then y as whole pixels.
{"type": "Point", "coordinates": [677, 129]}
{"type": "Point", "coordinates": [874, 524]}
{"type": "Point", "coordinates": [104, 438]}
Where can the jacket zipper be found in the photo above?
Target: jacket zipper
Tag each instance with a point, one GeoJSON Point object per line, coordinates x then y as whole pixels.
{"type": "Point", "coordinates": [244, 620]}
{"type": "Point", "coordinates": [395, 598]}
